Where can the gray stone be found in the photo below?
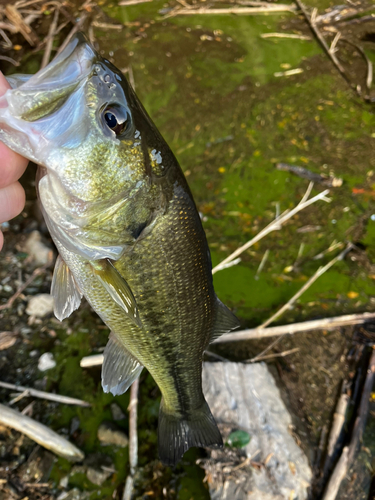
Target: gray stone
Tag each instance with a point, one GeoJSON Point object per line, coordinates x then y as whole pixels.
{"type": "Point", "coordinates": [46, 362]}
{"type": "Point", "coordinates": [117, 413]}
{"type": "Point", "coordinates": [40, 305]}
{"type": "Point", "coordinates": [246, 397]}
{"type": "Point", "coordinates": [74, 494]}
{"type": "Point", "coordinates": [37, 250]}
{"type": "Point", "coordinates": [110, 434]}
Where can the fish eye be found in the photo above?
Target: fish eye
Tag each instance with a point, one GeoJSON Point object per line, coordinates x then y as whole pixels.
{"type": "Point", "coordinates": [116, 119]}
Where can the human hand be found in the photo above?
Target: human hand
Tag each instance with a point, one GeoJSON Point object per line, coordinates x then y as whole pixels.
{"type": "Point", "coordinates": [12, 166]}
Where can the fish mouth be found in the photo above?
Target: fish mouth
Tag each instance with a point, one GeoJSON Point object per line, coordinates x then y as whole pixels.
{"type": "Point", "coordinates": [69, 67]}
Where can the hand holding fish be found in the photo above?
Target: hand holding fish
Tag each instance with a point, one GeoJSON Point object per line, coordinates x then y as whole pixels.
{"type": "Point", "coordinates": [12, 166]}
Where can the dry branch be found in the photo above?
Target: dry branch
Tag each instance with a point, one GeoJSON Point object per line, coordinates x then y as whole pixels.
{"type": "Point", "coordinates": [45, 395]}
{"type": "Point", "coordinates": [133, 440]}
{"type": "Point", "coordinates": [305, 326]}
{"type": "Point", "coordinates": [93, 360]}
{"type": "Point", "coordinates": [49, 41]}
{"type": "Point", "coordinates": [275, 225]}
{"type": "Point", "coordinates": [269, 9]}
{"type": "Point", "coordinates": [348, 453]}
{"type": "Point", "coordinates": [40, 434]}
{"type": "Point", "coordinates": [18, 22]}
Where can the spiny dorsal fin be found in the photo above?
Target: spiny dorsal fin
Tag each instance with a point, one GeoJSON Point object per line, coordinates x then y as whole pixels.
{"type": "Point", "coordinates": [120, 368]}
{"type": "Point", "coordinates": [117, 288]}
{"type": "Point", "coordinates": [64, 289]}
{"type": "Point", "coordinates": [225, 321]}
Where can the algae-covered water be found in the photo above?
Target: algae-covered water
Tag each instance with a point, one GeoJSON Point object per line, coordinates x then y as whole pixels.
{"type": "Point", "coordinates": [210, 84]}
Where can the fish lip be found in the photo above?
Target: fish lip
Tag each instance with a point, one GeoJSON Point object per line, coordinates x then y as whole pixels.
{"type": "Point", "coordinates": [72, 65]}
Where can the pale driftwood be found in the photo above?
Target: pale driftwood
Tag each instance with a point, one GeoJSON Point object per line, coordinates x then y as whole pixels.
{"type": "Point", "coordinates": [337, 476]}
{"type": "Point", "coordinates": [275, 224]}
{"type": "Point", "coordinates": [337, 423]}
{"type": "Point", "coordinates": [45, 395]}
{"type": "Point", "coordinates": [349, 452]}
{"type": "Point", "coordinates": [40, 434]}
{"type": "Point", "coordinates": [305, 326]}
{"type": "Point", "coordinates": [133, 440]}
{"type": "Point", "coordinates": [93, 360]}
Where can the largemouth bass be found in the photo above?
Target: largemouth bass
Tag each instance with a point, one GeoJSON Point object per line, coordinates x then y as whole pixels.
{"type": "Point", "coordinates": [127, 231]}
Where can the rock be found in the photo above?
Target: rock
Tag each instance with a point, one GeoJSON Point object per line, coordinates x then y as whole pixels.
{"type": "Point", "coordinates": [110, 434]}
{"type": "Point", "coordinates": [46, 362]}
{"type": "Point", "coordinates": [99, 468]}
{"type": "Point", "coordinates": [34, 246]}
{"type": "Point", "coordinates": [246, 397]}
{"type": "Point", "coordinates": [74, 494]}
{"type": "Point", "coordinates": [40, 305]}
{"type": "Point", "coordinates": [117, 413]}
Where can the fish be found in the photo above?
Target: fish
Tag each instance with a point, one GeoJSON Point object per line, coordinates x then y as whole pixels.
{"type": "Point", "coordinates": [128, 233]}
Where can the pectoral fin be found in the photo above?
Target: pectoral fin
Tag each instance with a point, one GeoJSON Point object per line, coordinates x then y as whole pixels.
{"type": "Point", "coordinates": [225, 321]}
{"type": "Point", "coordinates": [64, 289]}
{"type": "Point", "coordinates": [120, 368]}
{"type": "Point", "coordinates": [117, 288]}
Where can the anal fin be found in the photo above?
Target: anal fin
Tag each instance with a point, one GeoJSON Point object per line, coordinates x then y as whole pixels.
{"type": "Point", "coordinates": [64, 289]}
{"type": "Point", "coordinates": [120, 368]}
{"type": "Point", "coordinates": [117, 288]}
{"type": "Point", "coordinates": [225, 321]}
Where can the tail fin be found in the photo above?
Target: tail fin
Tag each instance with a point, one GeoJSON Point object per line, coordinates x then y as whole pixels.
{"type": "Point", "coordinates": [176, 434]}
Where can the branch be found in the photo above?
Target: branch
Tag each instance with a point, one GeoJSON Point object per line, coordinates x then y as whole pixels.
{"type": "Point", "coordinates": [274, 225]}
{"type": "Point", "coordinates": [40, 434]}
{"type": "Point", "coordinates": [45, 395]}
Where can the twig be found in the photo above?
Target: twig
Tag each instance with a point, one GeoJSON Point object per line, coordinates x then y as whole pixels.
{"type": "Point", "coordinates": [349, 452]}
{"type": "Point", "coordinates": [270, 9]}
{"type": "Point", "coordinates": [50, 37]}
{"type": "Point", "coordinates": [74, 30]}
{"type": "Point", "coordinates": [40, 434]}
{"type": "Point", "coordinates": [45, 395]}
{"type": "Point", "coordinates": [133, 440]}
{"type": "Point", "coordinates": [274, 226]}
{"type": "Point", "coordinates": [307, 285]}
{"type": "Point", "coordinates": [305, 326]}
{"type": "Point", "coordinates": [36, 272]}
{"type": "Point", "coordinates": [285, 35]}
{"type": "Point", "coordinates": [262, 263]}
{"type": "Point", "coordinates": [9, 59]}
{"type": "Point", "coordinates": [132, 2]}
{"type": "Point", "coordinates": [337, 423]}
{"type": "Point", "coordinates": [94, 360]}
{"type": "Point", "coordinates": [277, 354]}
{"type": "Point", "coordinates": [369, 75]}
{"type": "Point", "coordinates": [16, 19]}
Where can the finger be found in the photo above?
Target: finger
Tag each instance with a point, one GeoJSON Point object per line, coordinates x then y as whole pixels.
{"type": "Point", "coordinates": [12, 201]}
{"type": "Point", "coordinates": [12, 165]}
{"type": "Point", "coordinates": [1, 240]}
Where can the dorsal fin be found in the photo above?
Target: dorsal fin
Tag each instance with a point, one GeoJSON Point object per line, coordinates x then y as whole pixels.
{"type": "Point", "coordinates": [225, 321]}
{"type": "Point", "coordinates": [64, 289]}
{"type": "Point", "coordinates": [120, 368]}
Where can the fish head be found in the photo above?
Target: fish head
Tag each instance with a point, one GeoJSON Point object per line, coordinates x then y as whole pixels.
{"type": "Point", "coordinates": [81, 120]}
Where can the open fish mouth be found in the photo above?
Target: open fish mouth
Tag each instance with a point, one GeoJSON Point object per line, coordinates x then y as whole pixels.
{"type": "Point", "coordinates": [48, 89]}
{"type": "Point", "coordinates": [33, 113]}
